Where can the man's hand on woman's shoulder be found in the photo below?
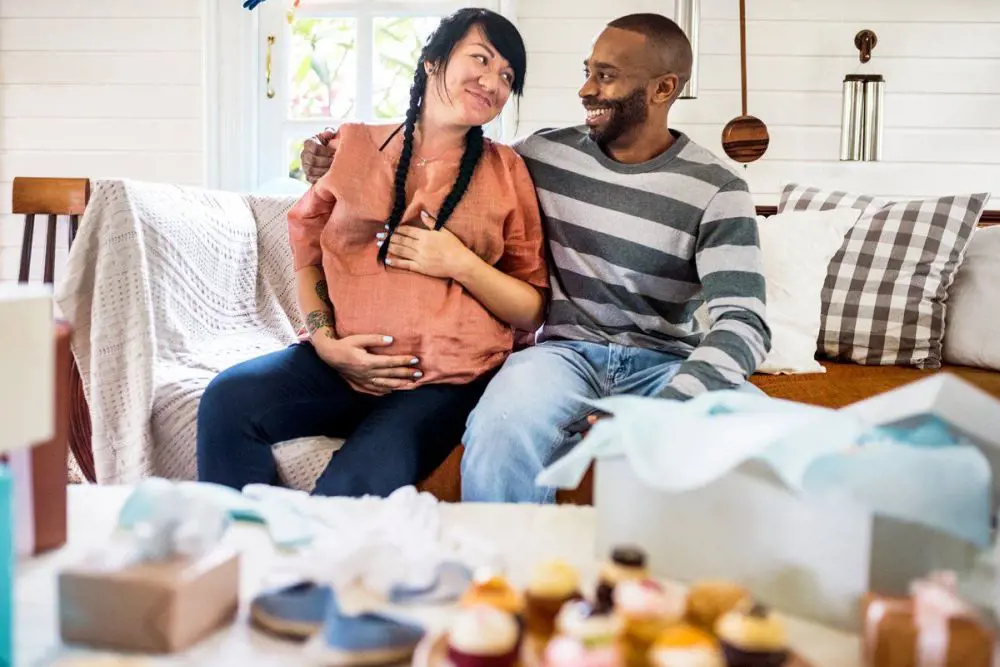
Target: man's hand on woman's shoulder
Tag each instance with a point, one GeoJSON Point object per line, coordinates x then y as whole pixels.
{"type": "Point", "coordinates": [317, 154]}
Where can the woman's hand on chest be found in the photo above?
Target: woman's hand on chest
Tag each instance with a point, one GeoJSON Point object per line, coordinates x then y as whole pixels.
{"type": "Point", "coordinates": [436, 253]}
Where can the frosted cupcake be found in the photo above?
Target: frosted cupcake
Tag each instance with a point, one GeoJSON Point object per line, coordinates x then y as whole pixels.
{"type": "Point", "coordinates": [708, 600]}
{"type": "Point", "coordinates": [569, 652]}
{"type": "Point", "coordinates": [752, 638]}
{"type": "Point", "coordinates": [483, 636]}
{"type": "Point", "coordinates": [685, 646]}
{"type": "Point", "coordinates": [552, 584]}
{"type": "Point", "coordinates": [586, 637]}
{"type": "Point", "coordinates": [495, 591]}
{"type": "Point", "coordinates": [625, 563]}
{"type": "Point", "coordinates": [648, 608]}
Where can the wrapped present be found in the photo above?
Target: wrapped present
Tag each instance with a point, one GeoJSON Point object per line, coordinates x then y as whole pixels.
{"type": "Point", "coordinates": [808, 508]}
{"type": "Point", "coordinates": [160, 585]}
{"type": "Point", "coordinates": [26, 417]}
{"type": "Point", "coordinates": [932, 627]}
{"type": "Point", "coordinates": [40, 473]}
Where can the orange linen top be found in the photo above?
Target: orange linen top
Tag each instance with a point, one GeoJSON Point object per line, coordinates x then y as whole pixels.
{"type": "Point", "coordinates": [334, 225]}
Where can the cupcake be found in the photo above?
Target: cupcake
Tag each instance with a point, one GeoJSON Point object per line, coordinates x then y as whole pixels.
{"type": "Point", "coordinates": [707, 601]}
{"type": "Point", "coordinates": [625, 563]}
{"type": "Point", "coordinates": [483, 636]}
{"type": "Point", "coordinates": [552, 584]}
{"type": "Point", "coordinates": [495, 591]}
{"type": "Point", "coordinates": [569, 652]}
{"type": "Point", "coordinates": [752, 638]}
{"type": "Point", "coordinates": [589, 624]}
{"type": "Point", "coordinates": [586, 636]}
{"type": "Point", "coordinates": [647, 608]}
{"type": "Point", "coordinates": [685, 645]}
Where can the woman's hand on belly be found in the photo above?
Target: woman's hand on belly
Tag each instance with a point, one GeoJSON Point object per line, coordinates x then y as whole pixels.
{"type": "Point", "coordinates": [435, 253]}
{"type": "Point", "coordinates": [374, 373]}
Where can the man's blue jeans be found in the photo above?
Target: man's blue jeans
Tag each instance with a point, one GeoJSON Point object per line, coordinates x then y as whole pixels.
{"type": "Point", "coordinates": [519, 426]}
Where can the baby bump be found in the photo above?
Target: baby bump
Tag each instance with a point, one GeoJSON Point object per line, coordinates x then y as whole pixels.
{"type": "Point", "coordinates": [389, 302]}
{"type": "Point", "coordinates": [433, 319]}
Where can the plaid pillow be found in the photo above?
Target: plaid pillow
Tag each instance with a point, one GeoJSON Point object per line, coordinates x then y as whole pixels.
{"type": "Point", "coordinates": [883, 300]}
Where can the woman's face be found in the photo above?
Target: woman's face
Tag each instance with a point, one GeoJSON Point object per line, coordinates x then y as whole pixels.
{"type": "Point", "coordinates": [478, 81]}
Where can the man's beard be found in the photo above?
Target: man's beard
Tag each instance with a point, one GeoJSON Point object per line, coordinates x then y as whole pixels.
{"type": "Point", "coordinates": [626, 113]}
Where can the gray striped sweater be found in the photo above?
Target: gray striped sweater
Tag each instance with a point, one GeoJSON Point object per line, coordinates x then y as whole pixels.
{"type": "Point", "coordinates": [637, 248]}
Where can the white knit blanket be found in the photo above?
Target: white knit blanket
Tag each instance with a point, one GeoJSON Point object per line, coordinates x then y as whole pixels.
{"type": "Point", "coordinates": [165, 287]}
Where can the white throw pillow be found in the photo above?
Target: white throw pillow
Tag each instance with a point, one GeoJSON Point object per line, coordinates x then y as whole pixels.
{"type": "Point", "coordinates": [972, 315]}
{"type": "Point", "coordinates": [797, 247]}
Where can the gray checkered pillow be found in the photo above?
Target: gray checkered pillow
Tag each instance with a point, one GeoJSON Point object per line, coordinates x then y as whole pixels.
{"type": "Point", "coordinates": [883, 301]}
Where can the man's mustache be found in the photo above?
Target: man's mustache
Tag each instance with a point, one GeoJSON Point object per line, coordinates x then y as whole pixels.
{"type": "Point", "coordinates": [594, 103]}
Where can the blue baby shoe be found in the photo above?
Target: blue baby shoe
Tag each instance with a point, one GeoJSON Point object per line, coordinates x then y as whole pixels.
{"type": "Point", "coordinates": [295, 611]}
{"type": "Point", "coordinates": [365, 639]}
{"type": "Point", "coordinates": [450, 581]}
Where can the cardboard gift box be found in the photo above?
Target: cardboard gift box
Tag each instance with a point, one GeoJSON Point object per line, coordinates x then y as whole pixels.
{"type": "Point", "coordinates": [896, 632]}
{"type": "Point", "coordinates": [809, 557]}
{"type": "Point", "coordinates": [149, 607]}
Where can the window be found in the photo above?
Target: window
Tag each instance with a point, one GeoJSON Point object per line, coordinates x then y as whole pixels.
{"type": "Point", "coordinates": [335, 61]}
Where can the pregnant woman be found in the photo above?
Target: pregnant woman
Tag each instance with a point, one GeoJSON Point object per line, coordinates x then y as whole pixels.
{"type": "Point", "coordinates": [417, 254]}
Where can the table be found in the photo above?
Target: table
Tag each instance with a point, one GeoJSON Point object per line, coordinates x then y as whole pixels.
{"type": "Point", "coordinates": [568, 533]}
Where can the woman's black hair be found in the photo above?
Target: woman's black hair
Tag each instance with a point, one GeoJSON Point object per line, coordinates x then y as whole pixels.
{"type": "Point", "coordinates": [502, 34]}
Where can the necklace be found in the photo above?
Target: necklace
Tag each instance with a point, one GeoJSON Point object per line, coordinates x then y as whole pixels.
{"type": "Point", "coordinates": [424, 161]}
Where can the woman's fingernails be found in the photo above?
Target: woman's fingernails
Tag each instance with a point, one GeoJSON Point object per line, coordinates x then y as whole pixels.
{"type": "Point", "coordinates": [380, 235]}
{"type": "Point", "coordinates": [386, 227]}
{"type": "Point", "coordinates": [389, 262]}
{"type": "Point", "coordinates": [378, 244]}
{"type": "Point", "coordinates": [418, 374]}
{"type": "Point", "coordinates": [414, 361]}
{"type": "Point", "coordinates": [387, 339]}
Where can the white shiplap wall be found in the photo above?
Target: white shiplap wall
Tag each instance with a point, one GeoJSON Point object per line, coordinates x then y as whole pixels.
{"type": "Point", "coordinates": [941, 61]}
{"type": "Point", "coordinates": [115, 88]}
{"type": "Point", "coordinates": [97, 88]}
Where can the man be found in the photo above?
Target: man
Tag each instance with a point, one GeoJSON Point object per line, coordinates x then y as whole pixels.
{"type": "Point", "coordinates": [643, 227]}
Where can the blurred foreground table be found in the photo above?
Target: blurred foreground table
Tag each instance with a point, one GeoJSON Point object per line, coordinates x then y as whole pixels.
{"type": "Point", "coordinates": [526, 533]}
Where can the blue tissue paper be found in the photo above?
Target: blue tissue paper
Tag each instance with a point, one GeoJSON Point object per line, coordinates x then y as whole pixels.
{"type": "Point", "coordinates": [919, 470]}
{"type": "Point", "coordinates": [287, 528]}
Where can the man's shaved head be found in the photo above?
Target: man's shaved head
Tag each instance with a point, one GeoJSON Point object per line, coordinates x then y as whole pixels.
{"type": "Point", "coordinates": [636, 70]}
{"type": "Point", "coordinates": [669, 47]}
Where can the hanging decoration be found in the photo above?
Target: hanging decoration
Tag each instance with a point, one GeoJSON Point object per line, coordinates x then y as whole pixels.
{"type": "Point", "coordinates": [688, 15]}
{"type": "Point", "coordinates": [861, 111]}
{"type": "Point", "coordinates": [745, 137]}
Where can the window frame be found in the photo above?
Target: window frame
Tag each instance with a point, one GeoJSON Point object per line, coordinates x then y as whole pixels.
{"type": "Point", "coordinates": [237, 155]}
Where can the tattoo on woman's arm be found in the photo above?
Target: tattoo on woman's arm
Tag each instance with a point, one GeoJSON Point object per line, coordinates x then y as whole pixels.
{"type": "Point", "coordinates": [319, 319]}
{"type": "Point", "coordinates": [322, 292]}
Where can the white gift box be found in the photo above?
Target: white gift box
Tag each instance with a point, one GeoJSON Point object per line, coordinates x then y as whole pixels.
{"type": "Point", "coordinates": [27, 370]}
{"type": "Point", "coordinates": [27, 366]}
{"type": "Point", "coordinates": [813, 558]}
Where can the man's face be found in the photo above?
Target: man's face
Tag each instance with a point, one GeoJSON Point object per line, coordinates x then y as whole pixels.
{"type": "Point", "coordinates": [615, 95]}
